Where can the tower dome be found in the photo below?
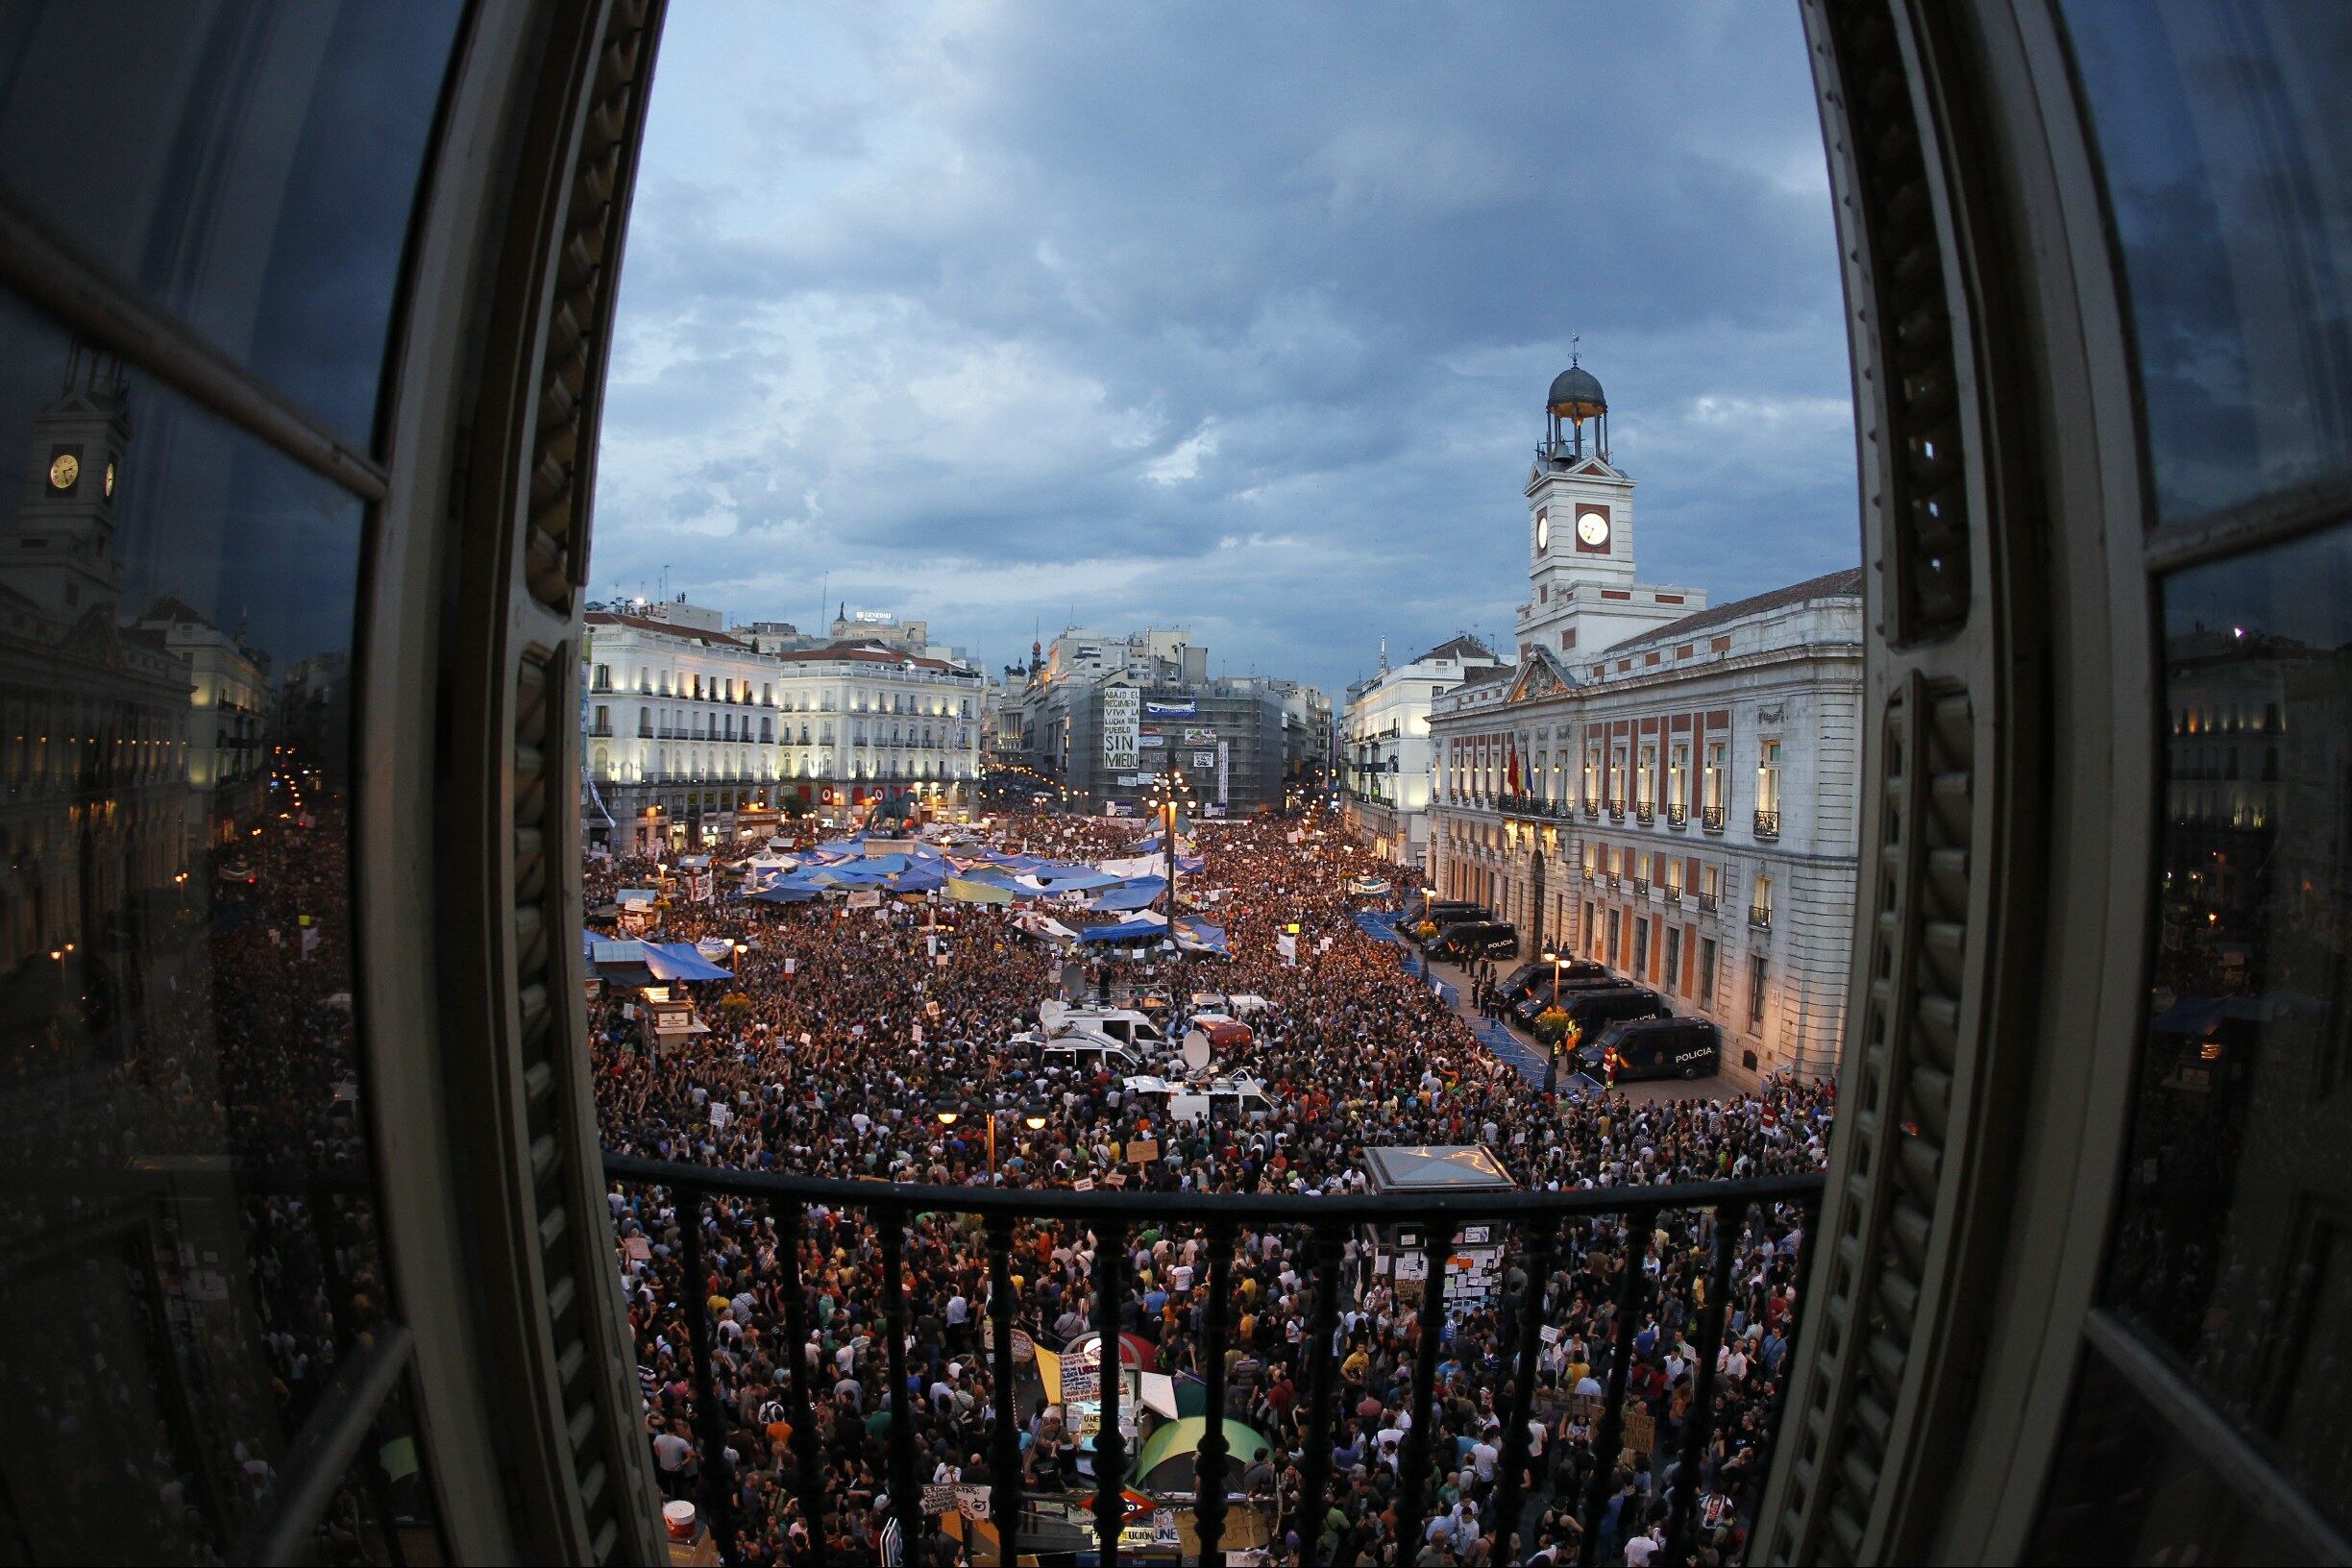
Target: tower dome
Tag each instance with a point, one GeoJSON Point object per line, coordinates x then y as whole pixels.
{"type": "Point", "coordinates": [1575, 396]}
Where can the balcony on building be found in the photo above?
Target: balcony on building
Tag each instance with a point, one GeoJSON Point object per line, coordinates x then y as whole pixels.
{"type": "Point", "coordinates": [1767, 824]}
{"type": "Point", "coordinates": [1710, 904]}
{"type": "Point", "coordinates": [1712, 819]}
{"type": "Point", "coordinates": [1645, 813]}
{"type": "Point", "coordinates": [1759, 916]}
{"type": "Point", "coordinates": [1677, 814]}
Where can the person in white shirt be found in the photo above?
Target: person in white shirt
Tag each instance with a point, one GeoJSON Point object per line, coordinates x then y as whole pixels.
{"type": "Point", "coordinates": [1641, 1548]}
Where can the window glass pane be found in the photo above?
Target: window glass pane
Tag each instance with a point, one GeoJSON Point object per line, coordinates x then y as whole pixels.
{"type": "Point", "coordinates": [2129, 1488]}
{"type": "Point", "coordinates": [2228, 159]}
{"type": "Point", "coordinates": [252, 166]}
{"type": "Point", "coordinates": [190, 1232]}
{"type": "Point", "coordinates": [2233, 1249]}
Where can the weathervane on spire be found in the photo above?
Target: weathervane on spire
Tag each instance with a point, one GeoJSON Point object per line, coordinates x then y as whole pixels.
{"type": "Point", "coordinates": [1573, 340]}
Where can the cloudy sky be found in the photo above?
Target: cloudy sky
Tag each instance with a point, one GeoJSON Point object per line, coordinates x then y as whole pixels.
{"type": "Point", "coordinates": [1232, 317]}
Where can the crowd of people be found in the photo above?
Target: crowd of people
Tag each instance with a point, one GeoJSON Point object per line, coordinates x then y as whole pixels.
{"type": "Point", "coordinates": [882, 1044]}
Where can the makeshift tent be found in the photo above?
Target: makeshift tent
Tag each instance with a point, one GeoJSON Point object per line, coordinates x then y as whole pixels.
{"type": "Point", "coordinates": [965, 890]}
{"type": "Point", "coordinates": [1139, 894]}
{"type": "Point", "coordinates": [1138, 929]}
{"type": "Point", "coordinates": [1195, 935]}
{"type": "Point", "coordinates": [782, 894]}
{"type": "Point", "coordinates": [679, 961]}
{"type": "Point", "coordinates": [1166, 1463]}
{"type": "Point", "coordinates": [1067, 879]}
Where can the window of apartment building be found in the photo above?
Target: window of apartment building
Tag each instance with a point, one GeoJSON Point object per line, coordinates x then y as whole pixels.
{"type": "Point", "coordinates": [1768, 776]}
{"type": "Point", "coordinates": [1616, 935]}
{"type": "Point", "coordinates": [603, 677]}
{"type": "Point", "coordinates": [1646, 781]}
{"type": "Point", "coordinates": [1591, 854]}
{"type": "Point", "coordinates": [1592, 931]}
{"type": "Point", "coordinates": [1678, 775]}
{"type": "Point", "coordinates": [1674, 875]}
{"type": "Point", "coordinates": [1674, 957]}
{"type": "Point", "coordinates": [1641, 945]}
{"type": "Point", "coordinates": [1763, 906]}
{"type": "Point", "coordinates": [1592, 773]}
{"type": "Point", "coordinates": [1755, 991]}
{"type": "Point", "coordinates": [1617, 776]}
{"type": "Point", "coordinates": [1713, 781]}
{"type": "Point", "coordinates": [1710, 882]}
{"type": "Point", "coordinates": [1706, 972]}
{"type": "Point", "coordinates": [603, 720]}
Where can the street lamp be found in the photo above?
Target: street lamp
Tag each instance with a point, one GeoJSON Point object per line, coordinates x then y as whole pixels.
{"type": "Point", "coordinates": [1552, 1059]}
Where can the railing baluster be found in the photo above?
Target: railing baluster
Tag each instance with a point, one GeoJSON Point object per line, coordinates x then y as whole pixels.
{"type": "Point", "coordinates": [1208, 1459]}
{"type": "Point", "coordinates": [1609, 1435]}
{"type": "Point", "coordinates": [1004, 1463]}
{"type": "Point", "coordinates": [808, 1478]}
{"type": "Point", "coordinates": [1322, 1379]}
{"type": "Point", "coordinates": [710, 1432]}
{"type": "Point", "coordinates": [1110, 1457]}
{"type": "Point", "coordinates": [1539, 1239]}
{"type": "Point", "coordinates": [1728, 1219]}
{"type": "Point", "coordinates": [906, 1496]}
{"type": "Point", "coordinates": [1412, 1491]}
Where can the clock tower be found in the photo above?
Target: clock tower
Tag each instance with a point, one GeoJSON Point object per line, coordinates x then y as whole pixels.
{"type": "Point", "coordinates": [60, 553]}
{"type": "Point", "coordinates": [1582, 594]}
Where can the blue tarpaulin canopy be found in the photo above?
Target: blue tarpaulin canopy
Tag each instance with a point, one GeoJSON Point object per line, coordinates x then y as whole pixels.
{"type": "Point", "coordinates": [1199, 935]}
{"type": "Point", "coordinates": [784, 893]}
{"type": "Point", "coordinates": [1122, 931]}
{"type": "Point", "coordinates": [1137, 893]}
{"type": "Point", "coordinates": [679, 961]}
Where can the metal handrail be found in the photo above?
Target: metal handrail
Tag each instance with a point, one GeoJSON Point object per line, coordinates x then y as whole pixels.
{"type": "Point", "coordinates": [1712, 819]}
{"type": "Point", "coordinates": [1768, 824]}
{"type": "Point", "coordinates": [1113, 1215]}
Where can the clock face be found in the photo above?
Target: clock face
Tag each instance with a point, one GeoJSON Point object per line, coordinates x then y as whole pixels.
{"type": "Point", "coordinates": [110, 479]}
{"type": "Point", "coordinates": [1543, 530]}
{"type": "Point", "coordinates": [1592, 528]}
{"type": "Point", "coordinates": [62, 473]}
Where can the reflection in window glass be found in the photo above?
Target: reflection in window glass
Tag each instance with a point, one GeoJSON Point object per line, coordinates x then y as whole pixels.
{"type": "Point", "coordinates": [250, 166]}
{"type": "Point", "coordinates": [2132, 1490]}
{"type": "Point", "coordinates": [2228, 161]}
{"type": "Point", "coordinates": [189, 1230]}
{"type": "Point", "coordinates": [2233, 1248]}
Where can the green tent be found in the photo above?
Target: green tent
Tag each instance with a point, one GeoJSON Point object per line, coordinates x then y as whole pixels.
{"type": "Point", "coordinates": [1165, 1465]}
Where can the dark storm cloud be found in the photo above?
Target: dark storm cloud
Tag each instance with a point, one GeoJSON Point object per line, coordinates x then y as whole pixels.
{"type": "Point", "coordinates": [1234, 317]}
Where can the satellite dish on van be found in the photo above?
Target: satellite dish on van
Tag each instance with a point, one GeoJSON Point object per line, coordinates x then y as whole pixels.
{"type": "Point", "coordinates": [1050, 1013]}
{"type": "Point", "coordinates": [1195, 1049]}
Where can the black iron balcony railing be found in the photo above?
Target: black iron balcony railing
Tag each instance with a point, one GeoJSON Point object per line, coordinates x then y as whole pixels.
{"type": "Point", "coordinates": [1759, 916]}
{"type": "Point", "coordinates": [1767, 824]}
{"type": "Point", "coordinates": [1674, 895]}
{"type": "Point", "coordinates": [1709, 902]}
{"type": "Point", "coordinates": [1592, 808]}
{"type": "Point", "coordinates": [1645, 813]}
{"type": "Point", "coordinates": [602, 731]}
{"type": "Point", "coordinates": [1641, 887]}
{"type": "Point", "coordinates": [1616, 811]}
{"type": "Point", "coordinates": [1712, 819]}
{"type": "Point", "coordinates": [1537, 1221]}
{"type": "Point", "coordinates": [1677, 814]}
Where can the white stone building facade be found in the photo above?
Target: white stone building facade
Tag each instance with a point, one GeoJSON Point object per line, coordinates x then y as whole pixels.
{"type": "Point", "coordinates": [685, 723]}
{"type": "Point", "coordinates": [1387, 766]}
{"type": "Point", "coordinates": [1680, 803]}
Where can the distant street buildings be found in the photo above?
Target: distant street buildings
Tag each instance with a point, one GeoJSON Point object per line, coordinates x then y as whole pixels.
{"type": "Point", "coordinates": [1669, 788]}
{"type": "Point", "coordinates": [1094, 721]}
